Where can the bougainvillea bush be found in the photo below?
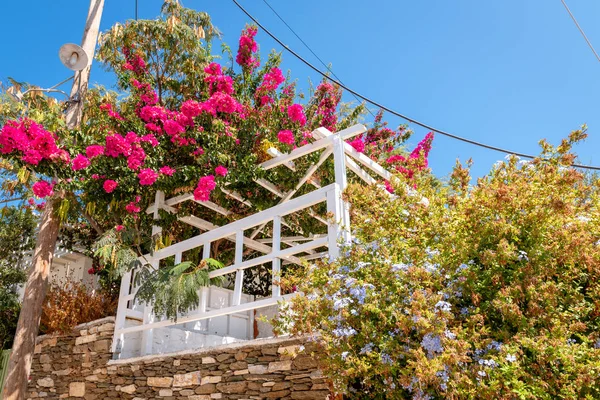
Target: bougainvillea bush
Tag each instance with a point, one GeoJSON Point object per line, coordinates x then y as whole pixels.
{"type": "Point", "coordinates": [183, 121]}
{"type": "Point", "coordinates": [459, 291]}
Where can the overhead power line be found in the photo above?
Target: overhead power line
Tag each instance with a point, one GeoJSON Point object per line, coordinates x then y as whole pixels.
{"type": "Point", "coordinates": [389, 110]}
{"type": "Point", "coordinates": [309, 49]}
{"type": "Point", "coordinates": [580, 30]}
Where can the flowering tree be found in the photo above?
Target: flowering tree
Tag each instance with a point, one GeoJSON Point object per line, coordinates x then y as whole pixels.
{"type": "Point", "coordinates": [181, 123]}
{"type": "Point", "coordinates": [484, 291]}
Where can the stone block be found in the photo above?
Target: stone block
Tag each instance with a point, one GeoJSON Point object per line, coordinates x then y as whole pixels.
{"type": "Point", "coordinates": [45, 382]}
{"type": "Point", "coordinates": [289, 350]}
{"type": "Point", "coordinates": [280, 366]}
{"type": "Point", "coordinates": [200, 397]}
{"type": "Point", "coordinates": [165, 393]}
{"type": "Point", "coordinates": [311, 395]}
{"type": "Point", "coordinates": [129, 389]}
{"type": "Point", "coordinates": [160, 382]}
{"type": "Point", "coordinates": [85, 339]}
{"type": "Point", "coordinates": [45, 359]}
{"type": "Point", "coordinates": [102, 346]}
{"type": "Point", "coordinates": [63, 372]}
{"type": "Point", "coordinates": [77, 389]}
{"type": "Point", "coordinates": [210, 379]}
{"type": "Point", "coordinates": [276, 395]}
{"type": "Point", "coordinates": [176, 363]}
{"type": "Point", "coordinates": [238, 365]}
{"type": "Point", "coordinates": [206, 389]}
{"type": "Point", "coordinates": [241, 355]}
{"type": "Point", "coordinates": [258, 369]}
{"type": "Point", "coordinates": [208, 360]}
{"type": "Point", "coordinates": [189, 379]}
{"type": "Point", "coordinates": [223, 357]}
{"type": "Point", "coordinates": [232, 387]}
{"type": "Point", "coordinates": [241, 372]}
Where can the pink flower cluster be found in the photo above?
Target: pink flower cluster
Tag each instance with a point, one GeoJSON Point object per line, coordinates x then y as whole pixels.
{"type": "Point", "coordinates": [32, 140]}
{"type": "Point", "coordinates": [206, 185]}
{"type": "Point", "coordinates": [166, 170]}
{"type": "Point", "coordinates": [217, 82]}
{"type": "Point", "coordinates": [80, 162]}
{"type": "Point", "coordinates": [147, 177]}
{"type": "Point", "coordinates": [109, 185]}
{"type": "Point", "coordinates": [358, 145]}
{"type": "Point", "coordinates": [42, 189]}
{"type": "Point", "coordinates": [416, 161]}
{"type": "Point", "coordinates": [286, 137]}
{"type": "Point", "coordinates": [133, 206]}
{"type": "Point", "coordinates": [245, 55]}
{"type": "Point", "coordinates": [270, 83]}
{"type": "Point", "coordinates": [221, 170]}
{"type": "Point", "coordinates": [134, 62]}
{"type": "Point", "coordinates": [112, 113]}
{"type": "Point", "coordinates": [296, 114]}
{"type": "Point", "coordinates": [329, 99]}
{"type": "Point", "coordinates": [94, 150]}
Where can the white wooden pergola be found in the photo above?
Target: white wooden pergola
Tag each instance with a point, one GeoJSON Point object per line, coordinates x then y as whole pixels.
{"type": "Point", "coordinates": [294, 249]}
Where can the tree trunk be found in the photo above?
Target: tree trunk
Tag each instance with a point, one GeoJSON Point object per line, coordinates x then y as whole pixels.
{"type": "Point", "coordinates": [19, 364]}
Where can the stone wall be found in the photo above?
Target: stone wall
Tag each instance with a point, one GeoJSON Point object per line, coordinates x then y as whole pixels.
{"type": "Point", "coordinates": [79, 365]}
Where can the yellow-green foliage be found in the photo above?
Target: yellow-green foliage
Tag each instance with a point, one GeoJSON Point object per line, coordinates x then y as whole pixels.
{"type": "Point", "coordinates": [469, 292]}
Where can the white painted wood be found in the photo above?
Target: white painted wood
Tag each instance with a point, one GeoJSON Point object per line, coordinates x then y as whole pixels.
{"type": "Point", "coordinates": [273, 152]}
{"type": "Point", "coordinates": [239, 275]}
{"type": "Point", "coordinates": [270, 187]}
{"type": "Point", "coordinates": [236, 196]}
{"type": "Point", "coordinates": [206, 250]}
{"type": "Point", "coordinates": [214, 207]}
{"type": "Point", "coordinates": [361, 173]}
{"type": "Point", "coordinates": [285, 254]}
{"type": "Point", "coordinates": [209, 314]}
{"type": "Point", "coordinates": [296, 153]}
{"type": "Point", "coordinates": [299, 203]}
{"type": "Point", "coordinates": [333, 228]}
{"type": "Point", "coordinates": [276, 264]}
{"type": "Point", "coordinates": [367, 162]}
{"type": "Point", "coordinates": [178, 258]}
{"type": "Point", "coordinates": [118, 340]}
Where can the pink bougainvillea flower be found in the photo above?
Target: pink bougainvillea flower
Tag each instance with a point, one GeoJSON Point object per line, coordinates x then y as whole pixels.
{"type": "Point", "coordinates": [94, 150]}
{"type": "Point", "coordinates": [245, 55]}
{"type": "Point", "coordinates": [296, 114]}
{"type": "Point", "coordinates": [119, 228]}
{"type": "Point", "coordinates": [147, 177]}
{"type": "Point", "coordinates": [221, 170]}
{"type": "Point", "coordinates": [42, 189]}
{"type": "Point", "coordinates": [191, 108]}
{"type": "Point", "coordinates": [166, 170]}
{"type": "Point", "coordinates": [80, 162]}
{"type": "Point", "coordinates": [109, 185]}
{"type": "Point", "coordinates": [117, 145]}
{"type": "Point", "coordinates": [132, 208]}
{"type": "Point", "coordinates": [136, 158]}
{"type": "Point", "coordinates": [358, 145]}
{"type": "Point", "coordinates": [286, 136]}
{"type": "Point", "coordinates": [150, 138]}
{"type": "Point", "coordinates": [198, 152]}
{"type": "Point", "coordinates": [206, 185]}
{"type": "Point", "coordinates": [173, 127]}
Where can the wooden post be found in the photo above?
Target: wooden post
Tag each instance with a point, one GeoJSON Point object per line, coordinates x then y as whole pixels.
{"type": "Point", "coordinates": [19, 365]}
{"type": "Point", "coordinates": [80, 82]}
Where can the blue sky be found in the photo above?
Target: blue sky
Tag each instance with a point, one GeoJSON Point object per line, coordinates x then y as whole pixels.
{"type": "Point", "coordinates": [507, 73]}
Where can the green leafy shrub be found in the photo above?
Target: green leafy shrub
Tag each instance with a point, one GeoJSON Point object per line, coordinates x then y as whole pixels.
{"type": "Point", "coordinates": [459, 291]}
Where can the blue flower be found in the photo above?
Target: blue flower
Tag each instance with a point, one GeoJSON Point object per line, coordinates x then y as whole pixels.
{"type": "Point", "coordinates": [443, 306]}
{"type": "Point", "coordinates": [432, 344]}
{"type": "Point", "coordinates": [511, 358]}
{"type": "Point", "coordinates": [386, 359]}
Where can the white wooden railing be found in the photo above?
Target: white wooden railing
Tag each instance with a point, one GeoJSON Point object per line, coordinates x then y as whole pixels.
{"type": "Point", "coordinates": [338, 229]}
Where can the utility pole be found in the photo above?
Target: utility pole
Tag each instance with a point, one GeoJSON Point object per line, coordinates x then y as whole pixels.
{"type": "Point", "coordinates": [19, 365]}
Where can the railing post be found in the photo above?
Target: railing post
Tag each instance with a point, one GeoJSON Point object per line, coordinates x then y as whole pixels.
{"type": "Point", "coordinates": [119, 340]}
{"type": "Point", "coordinates": [239, 275]}
{"type": "Point", "coordinates": [276, 246]}
{"type": "Point", "coordinates": [147, 335]}
{"type": "Point", "coordinates": [341, 210]}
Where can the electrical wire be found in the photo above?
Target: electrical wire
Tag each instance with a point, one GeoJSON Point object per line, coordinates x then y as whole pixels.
{"type": "Point", "coordinates": [309, 49]}
{"type": "Point", "coordinates": [580, 29]}
{"type": "Point", "coordinates": [389, 110]}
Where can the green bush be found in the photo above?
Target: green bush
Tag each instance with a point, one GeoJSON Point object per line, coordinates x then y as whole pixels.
{"type": "Point", "coordinates": [458, 291]}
